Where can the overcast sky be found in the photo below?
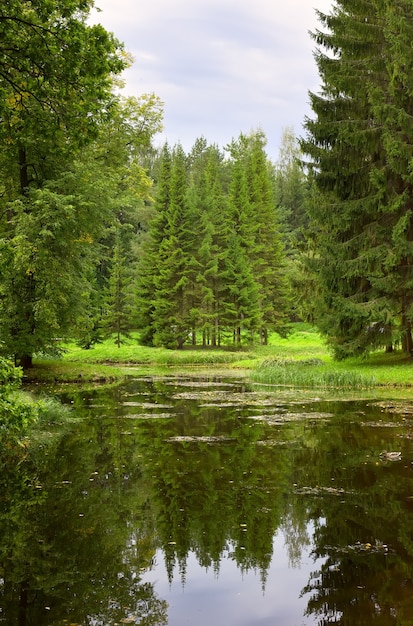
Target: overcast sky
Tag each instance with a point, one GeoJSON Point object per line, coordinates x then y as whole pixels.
{"type": "Point", "coordinates": [221, 67]}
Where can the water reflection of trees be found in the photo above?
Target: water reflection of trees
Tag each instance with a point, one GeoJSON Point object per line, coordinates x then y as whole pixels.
{"type": "Point", "coordinates": [69, 552]}
{"type": "Point", "coordinates": [86, 513]}
{"type": "Point", "coordinates": [231, 497]}
{"type": "Point", "coordinates": [363, 530]}
{"type": "Point", "coordinates": [221, 490]}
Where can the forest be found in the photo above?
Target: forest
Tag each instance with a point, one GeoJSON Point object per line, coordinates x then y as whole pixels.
{"type": "Point", "coordinates": [102, 233]}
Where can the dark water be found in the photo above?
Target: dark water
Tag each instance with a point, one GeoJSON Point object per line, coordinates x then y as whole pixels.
{"type": "Point", "coordinates": [174, 501]}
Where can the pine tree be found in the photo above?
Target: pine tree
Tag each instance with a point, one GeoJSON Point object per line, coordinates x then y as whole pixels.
{"type": "Point", "coordinates": [363, 216]}
{"type": "Point", "coordinates": [267, 254]}
{"type": "Point", "coordinates": [171, 315]}
{"type": "Point", "coordinates": [151, 260]}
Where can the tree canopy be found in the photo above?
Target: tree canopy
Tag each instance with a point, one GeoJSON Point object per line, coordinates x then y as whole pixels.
{"type": "Point", "coordinates": [56, 88]}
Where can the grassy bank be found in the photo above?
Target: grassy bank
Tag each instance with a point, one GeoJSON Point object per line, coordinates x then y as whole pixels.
{"type": "Point", "coordinates": [65, 370]}
{"type": "Point", "coordinates": [301, 359]}
{"type": "Point", "coordinates": [131, 353]}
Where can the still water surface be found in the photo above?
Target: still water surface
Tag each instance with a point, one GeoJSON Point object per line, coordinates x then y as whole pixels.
{"type": "Point", "coordinates": [192, 500]}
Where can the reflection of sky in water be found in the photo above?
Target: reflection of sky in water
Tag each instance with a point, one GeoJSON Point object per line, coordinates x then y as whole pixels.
{"type": "Point", "coordinates": [235, 598]}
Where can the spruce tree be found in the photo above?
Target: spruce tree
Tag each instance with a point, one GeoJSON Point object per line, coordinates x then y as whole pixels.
{"type": "Point", "coordinates": [242, 300]}
{"type": "Point", "coordinates": [118, 318]}
{"type": "Point", "coordinates": [171, 314]}
{"type": "Point", "coordinates": [209, 202]}
{"type": "Point", "coordinates": [241, 305]}
{"type": "Point", "coordinates": [360, 164]}
{"type": "Point", "coordinates": [152, 257]}
{"type": "Point", "coordinates": [267, 254]}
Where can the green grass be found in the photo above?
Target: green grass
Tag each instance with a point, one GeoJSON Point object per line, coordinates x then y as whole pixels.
{"type": "Point", "coordinates": [310, 373]}
{"type": "Point", "coordinates": [132, 353]}
{"type": "Point", "coordinates": [66, 371]}
{"type": "Point", "coordinates": [301, 359]}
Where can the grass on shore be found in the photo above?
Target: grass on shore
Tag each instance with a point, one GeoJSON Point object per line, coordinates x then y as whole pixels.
{"type": "Point", "coordinates": [301, 360]}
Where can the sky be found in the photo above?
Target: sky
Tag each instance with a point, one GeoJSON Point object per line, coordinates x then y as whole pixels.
{"type": "Point", "coordinates": [221, 67]}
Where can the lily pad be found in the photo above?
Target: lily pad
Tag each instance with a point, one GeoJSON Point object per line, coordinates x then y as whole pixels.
{"type": "Point", "coordinates": [147, 405]}
{"type": "Point", "coordinates": [148, 416]}
{"type": "Point", "coordinates": [200, 439]}
{"type": "Point", "coordinates": [321, 491]}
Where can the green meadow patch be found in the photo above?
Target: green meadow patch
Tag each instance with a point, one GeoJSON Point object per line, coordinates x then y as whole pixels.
{"type": "Point", "coordinates": [309, 373]}
{"type": "Point", "coordinates": [301, 359]}
{"type": "Point", "coordinates": [132, 353]}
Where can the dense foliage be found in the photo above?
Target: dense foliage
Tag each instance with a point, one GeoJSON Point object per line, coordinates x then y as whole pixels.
{"type": "Point", "coordinates": [360, 150]}
{"type": "Point", "coordinates": [69, 170]}
{"type": "Point", "coordinates": [213, 267]}
{"type": "Point", "coordinates": [101, 233]}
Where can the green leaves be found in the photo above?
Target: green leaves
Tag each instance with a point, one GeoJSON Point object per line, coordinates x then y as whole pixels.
{"type": "Point", "coordinates": [44, 279]}
{"type": "Point", "coordinates": [70, 167]}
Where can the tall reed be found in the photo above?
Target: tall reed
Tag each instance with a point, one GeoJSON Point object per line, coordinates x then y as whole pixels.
{"type": "Point", "coordinates": [309, 373]}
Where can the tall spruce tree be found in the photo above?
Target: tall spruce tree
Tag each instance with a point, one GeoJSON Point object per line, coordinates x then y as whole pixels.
{"type": "Point", "coordinates": [209, 210]}
{"type": "Point", "coordinates": [152, 256]}
{"type": "Point", "coordinates": [242, 309]}
{"type": "Point", "coordinates": [172, 302]}
{"type": "Point", "coordinates": [117, 320]}
{"type": "Point", "coordinates": [218, 229]}
{"type": "Point", "coordinates": [392, 106]}
{"type": "Point", "coordinates": [360, 160]}
{"type": "Point", "coordinates": [267, 255]}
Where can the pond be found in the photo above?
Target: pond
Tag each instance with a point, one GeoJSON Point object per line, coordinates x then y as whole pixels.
{"type": "Point", "coordinates": [204, 500]}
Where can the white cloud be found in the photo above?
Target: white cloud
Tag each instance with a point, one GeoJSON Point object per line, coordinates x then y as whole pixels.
{"type": "Point", "coordinates": [220, 66]}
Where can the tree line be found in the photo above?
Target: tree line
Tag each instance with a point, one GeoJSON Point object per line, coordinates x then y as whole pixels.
{"type": "Point", "coordinates": [102, 233]}
{"type": "Point", "coordinates": [213, 266]}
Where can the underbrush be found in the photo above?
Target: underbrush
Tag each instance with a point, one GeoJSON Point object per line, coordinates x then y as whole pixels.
{"type": "Point", "coordinates": [21, 413]}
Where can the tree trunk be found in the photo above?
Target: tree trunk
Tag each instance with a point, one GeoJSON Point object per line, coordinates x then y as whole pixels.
{"type": "Point", "coordinates": [407, 341]}
{"type": "Point", "coordinates": [24, 174]}
{"type": "Point", "coordinates": [24, 360]}
{"type": "Point", "coordinates": [23, 603]}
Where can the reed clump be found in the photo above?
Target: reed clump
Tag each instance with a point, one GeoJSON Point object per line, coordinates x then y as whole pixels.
{"type": "Point", "coordinates": [311, 372]}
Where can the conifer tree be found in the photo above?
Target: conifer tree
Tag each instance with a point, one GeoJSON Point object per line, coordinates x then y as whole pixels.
{"type": "Point", "coordinates": [151, 259]}
{"type": "Point", "coordinates": [241, 306]}
{"type": "Point", "coordinates": [171, 315]}
{"type": "Point", "coordinates": [118, 318]}
{"type": "Point", "coordinates": [360, 161]}
{"type": "Point", "coordinates": [242, 300]}
{"type": "Point", "coordinates": [210, 209]}
{"type": "Point", "coordinates": [267, 254]}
